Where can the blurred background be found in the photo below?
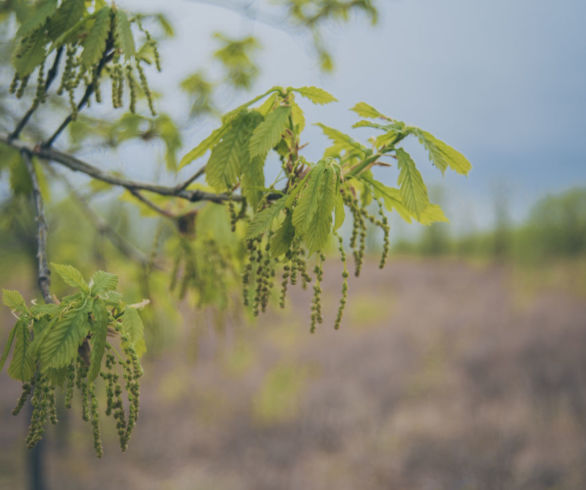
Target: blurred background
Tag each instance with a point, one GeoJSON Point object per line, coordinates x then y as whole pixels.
{"type": "Point", "coordinates": [461, 365]}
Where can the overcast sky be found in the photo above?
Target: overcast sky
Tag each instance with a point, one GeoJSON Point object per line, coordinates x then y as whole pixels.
{"type": "Point", "coordinates": [501, 80]}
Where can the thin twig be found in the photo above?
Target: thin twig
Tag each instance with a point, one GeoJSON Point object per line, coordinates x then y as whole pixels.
{"type": "Point", "coordinates": [152, 205]}
{"type": "Point", "coordinates": [44, 273]}
{"type": "Point", "coordinates": [50, 77]}
{"type": "Point", "coordinates": [191, 179]}
{"type": "Point", "coordinates": [78, 165]}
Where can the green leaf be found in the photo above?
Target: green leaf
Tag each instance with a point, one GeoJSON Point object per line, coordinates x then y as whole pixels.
{"type": "Point", "coordinates": [70, 275]}
{"type": "Point", "coordinates": [261, 223]}
{"type": "Point", "coordinates": [432, 214]}
{"type": "Point", "coordinates": [29, 53]}
{"type": "Point", "coordinates": [22, 365]}
{"type": "Point", "coordinates": [312, 217]}
{"type": "Point", "coordinates": [342, 142]}
{"type": "Point", "coordinates": [315, 94]}
{"type": "Point", "coordinates": [391, 198]}
{"type": "Point", "coordinates": [103, 281]}
{"type": "Point", "coordinates": [365, 110]}
{"type": "Point", "coordinates": [50, 309]}
{"type": "Point", "coordinates": [8, 346]}
{"type": "Point", "coordinates": [204, 146]}
{"type": "Point", "coordinates": [63, 338]}
{"type": "Point", "coordinates": [37, 18]}
{"type": "Point", "coordinates": [231, 154]}
{"type": "Point", "coordinates": [282, 238]}
{"type": "Point", "coordinates": [441, 154]}
{"type": "Point", "coordinates": [268, 133]}
{"type": "Point", "coordinates": [14, 300]}
{"type": "Point", "coordinates": [67, 16]}
{"type": "Point", "coordinates": [253, 180]}
{"type": "Point", "coordinates": [411, 185]}
{"type": "Point", "coordinates": [75, 31]}
{"type": "Point", "coordinates": [298, 117]}
{"type": "Point", "coordinates": [95, 42]}
{"type": "Point", "coordinates": [123, 34]}
{"type": "Point", "coordinates": [133, 327]}
{"type": "Point", "coordinates": [99, 331]}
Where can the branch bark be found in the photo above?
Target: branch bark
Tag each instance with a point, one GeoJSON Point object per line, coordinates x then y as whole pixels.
{"type": "Point", "coordinates": [43, 273]}
{"type": "Point", "coordinates": [78, 165]}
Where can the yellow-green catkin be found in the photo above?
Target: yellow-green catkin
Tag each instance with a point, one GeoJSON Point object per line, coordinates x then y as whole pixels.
{"type": "Point", "coordinates": [131, 88]}
{"type": "Point", "coordinates": [94, 419]}
{"type": "Point", "coordinates": [384, 225]}
{"type": "Point", "coordinates": [358, 236]}
{"type": "Point", "coordinates": [145, 87]}
{"type": "Point", "coordinates": [284, 282]}
{"type": "Point", "coordinates": [14, 84]}
{"type": "Point", "coordinates": [40, 92]}
{"type": "Point", "coordinates": [24, 395]}
{"type": "Point", "coordinates": [316, 307]}
{"type": "Point", "coordinates": [69, 385]}
{"type": "Point", "coordinates": [41, 412]}
{"type": "Point", "coordinates": [344, 297]}
{"type": "Point", "coordinates": [22, 86]}
{"type": "Point", "coordinates": [232, 214]}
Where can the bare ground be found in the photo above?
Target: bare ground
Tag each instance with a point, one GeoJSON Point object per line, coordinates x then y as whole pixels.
{"type": "Point", "coordinates": [443, 376]}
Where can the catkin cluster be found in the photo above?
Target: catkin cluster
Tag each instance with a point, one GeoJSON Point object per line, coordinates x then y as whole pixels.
{"type": "Point", "coordinates": [360, 217]}
{"type": "Point", "coordinates": [116, 365]}
{"type": "Point", "coordinates": [78, 71]}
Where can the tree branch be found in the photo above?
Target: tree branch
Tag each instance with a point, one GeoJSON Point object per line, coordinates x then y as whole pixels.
{"type": "Point", "coordinates": [78, 165]}
{"type": "Point", "coordinates": [44, 273]}
{"type": "Point", "coordinates": [152, 205]}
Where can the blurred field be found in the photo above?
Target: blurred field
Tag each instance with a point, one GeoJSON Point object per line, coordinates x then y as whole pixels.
{"type": "Point", "coordinates": [445, 375]}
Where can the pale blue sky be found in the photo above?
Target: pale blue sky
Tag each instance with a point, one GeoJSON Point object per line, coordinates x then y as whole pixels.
{"type": "Point", "coordinates": [502, 80]}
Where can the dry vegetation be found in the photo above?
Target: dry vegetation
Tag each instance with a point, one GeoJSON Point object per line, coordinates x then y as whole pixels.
{"type": "Point", "coordinates": [439, 379]}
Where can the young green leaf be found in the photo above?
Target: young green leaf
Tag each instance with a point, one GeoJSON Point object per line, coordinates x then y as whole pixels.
{"type": "Point", "coordinates": [70, 275]}
{"type": "Point", "coordinates": [261, 223]}
{"type": "Point", "coordinates": [342, 141]}
{"type": "Point", "coordinates": [432, 214]}
{"type": "Point", "coordinates": [22, 365]}
{"type": "Point", "coordinates": [14, 300]}
{"type": "Point", "coordinates": [253, 180]}
{"type": "Point", "coordinates": [443, 155]}
{"type": "Point", "coordinates": [29, 53]}
{"type": "Point", "coordinates": [411, 185]}
{"type": "Point", "coordinates": [123, 34]}
{"type": "Point", "coordinates": [312, 217]}
{"type": "Point", "coordinates": [282, 238]}
{"type": "Point", "coordinates": [204, 146]}
{"type": "Point", "coordinates": [67, 15]}
{"type": "Point", "coordinates": [103, 281]}
{"type": "Point", "coordinates": [231, 154]}
{"type": "Point", "coordinates": [37, 18]}
{"type": "Point", "coordinates": [64, 336]}
{"type": "Point", "coordinates": [365, 110]}
{"type": "Point", "coordinates": [95, 42]}
{"type": "Point", "coordinates": [133, 327]}
{"type": "Point", "coordinates": [99, 331]}
{"type": "Point", "coordinates": [7, 346]}
{"type": "Point", "coordinates": [268, 133]}
{"type": "Point", "coordinates": [315, 94]}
